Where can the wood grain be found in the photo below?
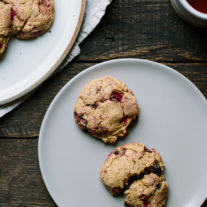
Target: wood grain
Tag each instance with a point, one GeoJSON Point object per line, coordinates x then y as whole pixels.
{"type": "Point", "coordinates": [25, 121]}
{"type": "Point", "coordinates": [21, 184]}
{"type": "Point", "coordinates": [147, 29]}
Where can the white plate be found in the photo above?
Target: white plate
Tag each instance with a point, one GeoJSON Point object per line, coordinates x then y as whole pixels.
{"type": "Point", "coordinates": [173, 120]}
{"type": "Point", "coordinates": [28, 63]}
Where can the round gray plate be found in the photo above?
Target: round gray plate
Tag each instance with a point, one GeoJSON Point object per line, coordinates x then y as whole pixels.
{"type": "Point", "coordinates": [173, 118]}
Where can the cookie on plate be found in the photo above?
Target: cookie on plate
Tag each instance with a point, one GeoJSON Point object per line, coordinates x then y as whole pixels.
{"type": "Point", "coordinates": [105, 108]}
{"type": "Point", "coordinates": [3, 44]}
{"type": "Point", "coordinates": [5, 25]}
{"type": "Point", "coordinates": [150, 191]}
{"type": "Point", "coordinates": [126, 162]}
{"type": "Point", "coordinates": [31, 18]}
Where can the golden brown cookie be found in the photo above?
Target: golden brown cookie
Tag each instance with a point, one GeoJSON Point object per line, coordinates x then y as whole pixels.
{"type": "Point", "coordinates": [3, 44]}
{"type": "Point", "coordinates": [150, 191]}
{"type": "Point", "coordinates": [31, 18]}
{"type": "Point", "coordinates": [126, 162]}
{"type": "Point", "coordinates": [105, 108]}
{"type": "Point", "coordinates": [5, 25]}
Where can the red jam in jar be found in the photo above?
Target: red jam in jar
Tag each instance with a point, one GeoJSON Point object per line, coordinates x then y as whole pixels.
{"type": "Point", "coordinates": [199, 5]}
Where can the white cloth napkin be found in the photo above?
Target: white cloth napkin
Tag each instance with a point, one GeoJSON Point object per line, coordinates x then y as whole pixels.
{"type": "Point", "coordinates": [95, 10]}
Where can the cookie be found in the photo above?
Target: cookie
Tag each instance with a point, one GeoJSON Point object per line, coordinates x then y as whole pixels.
{"type": "Point", "coordinates": [3, 44]}
{"type": "Point", "coordinates": [150, 191]}
{"type": "Point", "coordinates": [5, 25]}
{"type": "Point", "coordinates": [105, 108]}
{"type": "Point", "coordinates": [31, 18]}
{"type": "Point", "coordinates": [126, 162]}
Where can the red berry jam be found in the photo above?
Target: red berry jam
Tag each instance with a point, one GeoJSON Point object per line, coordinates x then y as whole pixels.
{"type": "Point", "coordinates": [116, 96]}
{"type": "Point", "coordinates": [147, 150]}
{"type": "Point", "coordinates": [124, 120]}
{"type": "Point", "coordinates": [200, 5]}
{"type": "Point", "coordinates": [80, 120]}
{"type": "Point", "coordinates": [13, 13]}
{"type": "Point", "coordinates": [143, 197]}
{"type": "Point", "coordinates": [146, 203]}
{"type": "Point", "coordinates": [145, 200]}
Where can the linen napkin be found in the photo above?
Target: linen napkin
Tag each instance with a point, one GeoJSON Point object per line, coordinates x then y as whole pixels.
{"type": "Point", "coordinates": [95, 10]}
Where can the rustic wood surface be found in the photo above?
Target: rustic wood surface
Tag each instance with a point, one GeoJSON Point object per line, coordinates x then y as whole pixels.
{"type": "Point", "coordinates": [147, 29]}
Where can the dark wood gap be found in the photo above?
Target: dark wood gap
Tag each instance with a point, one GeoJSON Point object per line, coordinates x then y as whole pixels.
{"type": "Point", "coordinates": [19, 138]}
{"type": "Point", "coordinates": [162, 61]}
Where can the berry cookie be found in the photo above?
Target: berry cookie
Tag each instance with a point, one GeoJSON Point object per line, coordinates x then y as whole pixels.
{"type": "Point", "coordinates": [5, 25]}
{"type": "Point", "coordinates": [31, 18]}
{"type": "Point", "coordinates": [126, 162]}
{"type": "Point", "coordinates": [150, 191]}
{"type": "Point", "coordinates": [105, 108]}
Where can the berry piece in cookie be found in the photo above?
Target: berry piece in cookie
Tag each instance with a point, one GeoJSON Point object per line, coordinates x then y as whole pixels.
{"type": "Point", "coordinates": [105, 108]}
{"type": "Point", "coordinates": [126, 162]}
{"type": "Point", "coordinates": [150, 191]}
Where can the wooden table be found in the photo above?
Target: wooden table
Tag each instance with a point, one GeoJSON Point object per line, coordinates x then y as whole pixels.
{"type": "Point", "coordinates": [147, 29]}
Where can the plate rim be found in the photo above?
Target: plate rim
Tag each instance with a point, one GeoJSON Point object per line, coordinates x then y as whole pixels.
{"type": "Point", "coordinates": [26, 91]}
{"type": "Point", "coordinates": [70, 82]}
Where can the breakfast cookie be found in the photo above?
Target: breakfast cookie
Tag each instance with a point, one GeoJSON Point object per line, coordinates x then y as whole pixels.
{"type": "Point", "coordinates": [5, 25]}
{"type": "Point", "coordinates": [150, 191]}
{"type": "Point", "coordinates": [127, 162]}
{"type": "Point", "coordinates": [105, 108]}
{"type": "Point", "coordinates": [3, 44]}
{"type": "Point", "coordinates": [31, 18]}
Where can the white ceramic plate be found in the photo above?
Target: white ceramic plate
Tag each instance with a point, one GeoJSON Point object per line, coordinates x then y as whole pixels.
{"type": "Point", "coordinates": [173, 120]}
{"type": "Point", "coordinates": [29, 63]}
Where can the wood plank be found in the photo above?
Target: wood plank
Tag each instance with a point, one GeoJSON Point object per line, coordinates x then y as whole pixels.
{"type": "Point", "coordinates": [25, 121]}
{"type": "Point", "coordinates": [144, 29]}
{"type": "Point", "coordinates": [205, 203]}
{"type": "Point", "coordinates": [21, 184]}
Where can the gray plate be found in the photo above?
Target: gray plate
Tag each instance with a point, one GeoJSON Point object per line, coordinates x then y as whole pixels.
{"type": "Point", "coordinates": [173, 120]}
